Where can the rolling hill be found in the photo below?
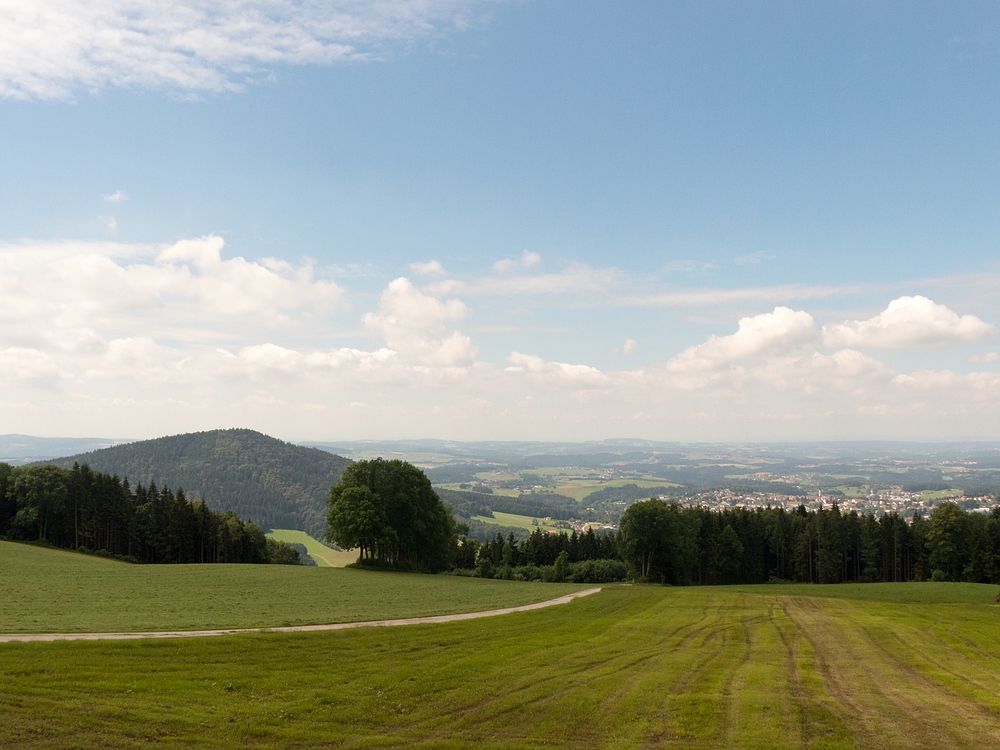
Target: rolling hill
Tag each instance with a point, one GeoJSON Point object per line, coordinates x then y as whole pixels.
{"type": "Point", "coordinates": [271, 482]}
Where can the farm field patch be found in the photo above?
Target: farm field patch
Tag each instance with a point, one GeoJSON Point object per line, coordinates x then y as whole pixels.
{"type": "Point", "coordinates": [45, 590]}
{"type": "Point", "coordinates": [580, 490]}
{"type": "Point", "coordinates": [325, 557]}
{"type": "Point", "coordinates": [631, 667]}
{"type": "Point", "coordinates": [518, 521]}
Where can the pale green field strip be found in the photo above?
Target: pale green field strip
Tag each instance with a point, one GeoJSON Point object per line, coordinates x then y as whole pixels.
{"type": "Point", "coordinates": [518, 522]}
{"type": "Point", "coordinates": [324, 556]}
{"type": "Point", "coordinates": [631, 667]}
{"type": "Point", "coordinates": [49, 591]}
{"type": "Point", "coordinates": [581, 491]}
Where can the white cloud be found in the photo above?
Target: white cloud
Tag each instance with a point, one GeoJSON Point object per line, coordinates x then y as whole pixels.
{"type": "Point", "coordinates": [49, 50]}
{"type": "Point", "coordinates": [556, 372]}
{"type": "Point", "coordinates": [22, 366]}
{"type": "Point", "coordinates": [820, 375]}
{"type": "Point", "coordinates": [60, 294]}
{"type": "Point", "coordinates": [528, 259]}
{"type": "Point", "coordinates": [577, 279]}
{"type": "Point", "coordinates": [909, 322]}
{"type": "Point", "coordinates": [686, 266]}
{"type": "Point", "coordinates": [183, 336]}
{"type": "Point", "coordinates": [116, 197]}
{"type": "Point", "coordinates": [718, 296]}
{"type": "Point", "coordinates": [769, 334]}
{"type": "Point", "coordinates": [110, 223]}
{"type": "Point", "coordinates": [433, 266]}
{"type": "Point", "coordinates": [985, 358]}
{"type": "Point", "coordinates": [411, 322]}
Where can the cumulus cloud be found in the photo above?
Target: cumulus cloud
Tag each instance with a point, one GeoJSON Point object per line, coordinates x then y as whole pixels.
{"type": "Point", "coordinates": [413, 324]}
{"type": "Point", "coordinates": [180, 330]}
{"type": "Point", "coordinates": [909, 322]}
{"type": "Point", "coordinates": [116, 197]}
{"type": "Point", "coordinates": [769, 334]}
{"type": "Point", "coordinates": [60, 294]}
{"type": "Point", "coordinates": [50, 50]}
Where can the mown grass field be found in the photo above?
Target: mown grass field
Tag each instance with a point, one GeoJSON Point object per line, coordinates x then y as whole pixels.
{"type": "Point", "coordinates": [631, 667]}
{"type": "Point", "coordinates": [518, 521]}
{"type": "Point", "coordinates": [44, 590]}
{"type": "Point", "coordinates": [325, 557]}
{"type": "Point", "coordinates": [788, 666]}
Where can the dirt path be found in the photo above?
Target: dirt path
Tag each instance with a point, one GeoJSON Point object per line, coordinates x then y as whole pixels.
{"type": "Point", "coordinates": [34, 637]}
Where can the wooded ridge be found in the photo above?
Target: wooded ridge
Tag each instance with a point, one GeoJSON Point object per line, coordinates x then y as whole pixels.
{"type": "Point", "coordinates": [273, 483]}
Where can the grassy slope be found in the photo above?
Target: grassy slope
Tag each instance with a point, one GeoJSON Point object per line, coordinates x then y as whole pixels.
{"type": "Point", "coordinates": [324, 556]}
{"type": "Point", "coordinates": [43, 590]}
{"type": "Point", "coordinates": [632, 667]}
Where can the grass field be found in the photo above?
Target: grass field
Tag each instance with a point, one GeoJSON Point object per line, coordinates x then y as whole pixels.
{"type": "Point", "coordinates": [517, 521]}
{"type": "Point", "coordinates": [325, 557]}
{"type": "Point", "coordinates": [44, 590]}
{"type": "Point", "coordinates": [632, 667]}
{"type": "Point", "coordinates": [582, 490]}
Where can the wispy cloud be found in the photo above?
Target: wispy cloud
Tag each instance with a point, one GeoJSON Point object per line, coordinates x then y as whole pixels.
{"type": "Point", "coordinates": [433, 266]}
{"type": "Point", "coordinates": [528, 259]}
{"type": "Point", "coordinates": [51, 50]}
{"type": "Point", "coordinates": [985, 358]}
{"type": "Point", "coordinates": [768, 294]}
{"type": "Point", "coordinates": [753, 259]}
{"type": "Point", "coordinates": [116, 197]}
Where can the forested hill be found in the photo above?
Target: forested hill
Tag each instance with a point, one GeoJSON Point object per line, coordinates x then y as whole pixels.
{"type": "Point", "coordinates": [273, 483]}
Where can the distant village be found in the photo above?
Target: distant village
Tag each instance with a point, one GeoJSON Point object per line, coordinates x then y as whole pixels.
{"type": "Point", "coordinates": [891, 500]}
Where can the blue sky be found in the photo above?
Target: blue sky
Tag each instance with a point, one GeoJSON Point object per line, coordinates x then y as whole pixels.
{"type": "Point", "coordinates": [580, 196]}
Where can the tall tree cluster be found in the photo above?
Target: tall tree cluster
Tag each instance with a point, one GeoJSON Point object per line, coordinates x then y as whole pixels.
{"type": "Point", "coordinates": [669, 543]}
{"type": "Point", "coordinates": [539, 549]}
{"type": "Point", "coordinates": [389, 511]}
{"type": "Point", "coordinates": [580, 558]}
{"type": "Point", "coordinates": [83, 509]}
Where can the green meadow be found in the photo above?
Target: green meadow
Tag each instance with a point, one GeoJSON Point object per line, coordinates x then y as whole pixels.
{"type": "Point", "coordinates": [518, 521]}
{"type": "Point", "coordinates": [46, 590]}
{"type": "Point", "coordinates": [323, 556]}
{"type": "Point", "coordinates": [797, 666]}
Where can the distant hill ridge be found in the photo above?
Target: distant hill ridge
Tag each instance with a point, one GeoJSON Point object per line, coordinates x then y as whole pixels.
{"type": "Point", "coordinates": [263, 479]}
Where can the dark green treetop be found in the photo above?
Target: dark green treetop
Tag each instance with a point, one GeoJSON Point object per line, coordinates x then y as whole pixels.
{"type": "Point", "coordinates": [389, 511]}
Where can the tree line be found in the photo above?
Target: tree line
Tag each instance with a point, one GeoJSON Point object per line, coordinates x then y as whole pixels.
{"type": "Point", "coordinates": [670, 543]}
{"type": "Point", "coordinates": [90, 511]}
{"type": "Point", "coordinates": [579, 558]}
{"type": "Point", "coordinates": [390, 512]}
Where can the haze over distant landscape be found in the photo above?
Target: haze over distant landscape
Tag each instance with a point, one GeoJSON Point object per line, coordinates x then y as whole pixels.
{"type": "Point", "coordinates": [490, 220]}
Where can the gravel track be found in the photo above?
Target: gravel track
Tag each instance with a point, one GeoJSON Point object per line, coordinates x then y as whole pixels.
{"type": "Point", "coordinates": [46, 637]}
